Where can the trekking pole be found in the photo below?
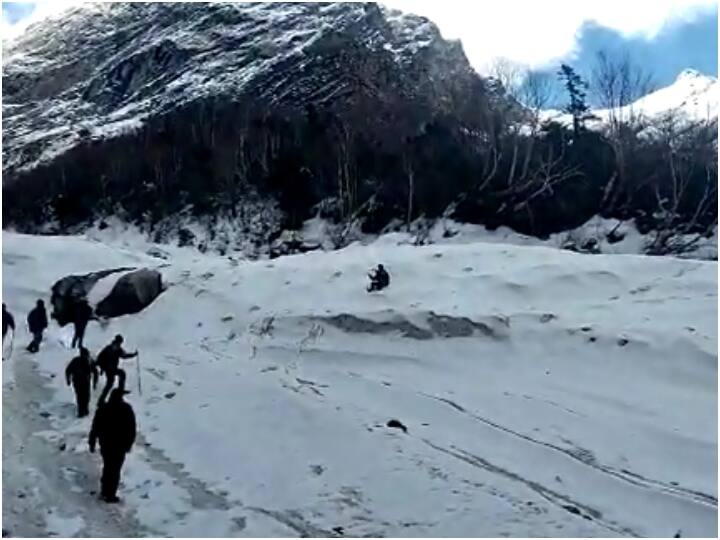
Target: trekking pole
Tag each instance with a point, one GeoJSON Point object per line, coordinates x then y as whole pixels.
{"type": "Point", "coordinates": [12, 339]}
{"type": "Point", "coordinates": [9, 348]}
{"type": "Point", "coordinates": [137, 358]}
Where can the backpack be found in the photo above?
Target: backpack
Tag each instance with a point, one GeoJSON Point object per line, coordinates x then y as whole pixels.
{"type": "Point", "coordinates": [104, 359]}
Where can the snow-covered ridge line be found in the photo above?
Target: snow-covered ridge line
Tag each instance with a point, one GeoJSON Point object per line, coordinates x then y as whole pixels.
{"type": "Point", "coordinates": [692, 96]}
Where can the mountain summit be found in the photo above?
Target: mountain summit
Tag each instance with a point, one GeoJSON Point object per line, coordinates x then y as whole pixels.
{"type": "Point", "coordinates": [107, 68]}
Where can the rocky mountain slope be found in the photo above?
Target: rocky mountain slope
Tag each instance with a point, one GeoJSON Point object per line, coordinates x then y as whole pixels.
{"type": "Point", "coordinates": [152, 74]}
{"type": "Point", "coordinates": [268, 114]}
{"type": "Point", "coordinates": [106, 68]}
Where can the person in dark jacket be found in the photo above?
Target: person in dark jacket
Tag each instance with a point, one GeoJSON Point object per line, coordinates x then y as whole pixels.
{"type": "Point", "coordinates": [81, 316]}
{"type": "Point", "coordinates": [115, 429]}
{"type": "Point", "coordinates": [379, 279]}
{"type": "Point", "coordinates": [79, 372]}
{"type": "Point", "coordinates": [109, 361]}
{"type": "Point", "coordinates": [37, 323]}
{"type": "Point", "coordinates": [7, 320]}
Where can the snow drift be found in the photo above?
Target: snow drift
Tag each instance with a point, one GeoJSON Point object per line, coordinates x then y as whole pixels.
{"type": "Point", "coordinates": [543, 392]}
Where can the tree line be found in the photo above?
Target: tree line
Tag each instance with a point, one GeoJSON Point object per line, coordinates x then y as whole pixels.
{"type": "Point", "coordinates": [496, 162]}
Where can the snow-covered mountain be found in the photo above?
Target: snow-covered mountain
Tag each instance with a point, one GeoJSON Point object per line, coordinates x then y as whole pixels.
{"type": "Point", "coordinates": [162, 112]}
{"type": "Point", "coordinates": [131, 103]}
{"type": "Point", "coordinates": [544, 393]}
{"type": "Point", "coordinates": [692, 96]}
{"type": "Point", "coordinates": [103, 69]}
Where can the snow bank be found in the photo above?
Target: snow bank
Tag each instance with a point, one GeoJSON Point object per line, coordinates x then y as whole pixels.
{"type": "Point", "coordinates": [545, 393]}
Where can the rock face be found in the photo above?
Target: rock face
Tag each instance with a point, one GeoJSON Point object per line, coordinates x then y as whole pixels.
{"type": "Point", "coordinates": [132, 293]}
{"type": "Point", "coordinates": [199, 103]}
{"type": "Point", "coordinates": [70, 289]}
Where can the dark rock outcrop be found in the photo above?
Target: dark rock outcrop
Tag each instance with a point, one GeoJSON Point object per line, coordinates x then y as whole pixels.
{"type": "Point", "coordinates": [132, 293]}
{"type": "Point", "coordinates": [66, 292]}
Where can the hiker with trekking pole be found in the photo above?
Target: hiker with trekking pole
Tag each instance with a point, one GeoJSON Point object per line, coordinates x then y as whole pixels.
{"type": "Point", "coordinates": [109, 363]}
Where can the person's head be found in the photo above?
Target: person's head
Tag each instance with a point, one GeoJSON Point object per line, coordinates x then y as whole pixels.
{"type": "Point", "coordinates": [118, 340]}
{"type": "Point", "coordinates": [84, 353]}
{"type": "Point", "coordinates": [381, 267]}
{"type": "Point", "coordinates": [40, 303]}
{"type": "Point", "coordinates": [117, 395]}
{"type": "Point", "coordinates": [4, 308]}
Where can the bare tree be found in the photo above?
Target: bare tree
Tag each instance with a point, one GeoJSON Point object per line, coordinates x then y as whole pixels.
{"type": "Point", "coordinates": [617, 82]}
{"type": "Point", "coordinates": [410, 174]}
{"type": "Point", "coordinates": [536, 92]}
{"type": "Point", "coordinates": [347, 181]}
{"type": "Point", "coordinates": [508, 74]}
{"type": "Point", "coordinates": [687, 203]}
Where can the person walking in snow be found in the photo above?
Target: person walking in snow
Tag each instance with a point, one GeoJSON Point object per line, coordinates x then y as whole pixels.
{"type": "Point", "coordinates": [379, 279]}
{"type": "Point", "coordinates": [81, 316]}
{"type": "Point", "coordinates": [79, 372]}
{"type": "Point", "coordinates": [37, 323]}
{"type": "Point", "coordinates": [109, 363]}
{"type": "Point", "coordinates": [7, 321]}
{"type": "Point", "coordinates": [114, 428]}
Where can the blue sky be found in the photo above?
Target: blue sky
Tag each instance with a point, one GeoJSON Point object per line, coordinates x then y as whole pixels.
{"type": "Point", "coordinates": [666, 36]}
{"type": "Point", "coordinates": [677, 46]}
{"type": "Point", "coordinates": [16, 11]}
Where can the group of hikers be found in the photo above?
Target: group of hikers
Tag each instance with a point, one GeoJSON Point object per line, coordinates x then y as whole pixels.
{"type": "Point", "coordinates": [113, 425]}
{"type": "Point", "coordinates": [37, 322]}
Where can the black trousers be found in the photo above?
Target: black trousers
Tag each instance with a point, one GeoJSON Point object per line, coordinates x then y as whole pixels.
{"type": "Point", "coordinates": [109, 381]}
{"type": "Point", "coordinates": [79, 334]}
{"type": "Point", "coordinates": [376, 286]}
{"type": "Point", "coordinates": [82, 397]}
{"type": "Point", "coordinates": [35, 343]}
{"type": "Point", "coordinates": [112, 464]}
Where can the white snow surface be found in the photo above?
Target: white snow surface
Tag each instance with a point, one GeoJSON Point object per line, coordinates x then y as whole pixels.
{"type": "Point", "coordinates": [545, 393]}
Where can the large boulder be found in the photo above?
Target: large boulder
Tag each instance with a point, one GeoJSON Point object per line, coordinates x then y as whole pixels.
{"type": "Point", "coordinates": [69, 290]}
{"type": "Point", "coordinates": [133, 292]}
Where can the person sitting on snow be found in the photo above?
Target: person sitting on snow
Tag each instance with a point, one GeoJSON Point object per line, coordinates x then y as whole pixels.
{"type": "Point", "coordinates": [379, 279]}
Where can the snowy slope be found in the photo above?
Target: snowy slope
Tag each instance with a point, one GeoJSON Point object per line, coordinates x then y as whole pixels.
{"type": "Point", "coordinates": [692, 95]}
{"type": "Point", "coordinates": [545, 393]}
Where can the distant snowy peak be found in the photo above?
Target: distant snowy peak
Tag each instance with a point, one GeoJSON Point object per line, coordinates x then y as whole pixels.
{"type": "Point", "coordinates": [692, 93]}
{"type": "Point", "coordinates": [692, 96]}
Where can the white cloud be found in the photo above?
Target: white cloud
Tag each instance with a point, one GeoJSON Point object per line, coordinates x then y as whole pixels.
{"type": "Point", "coordinates": [535, 32]}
